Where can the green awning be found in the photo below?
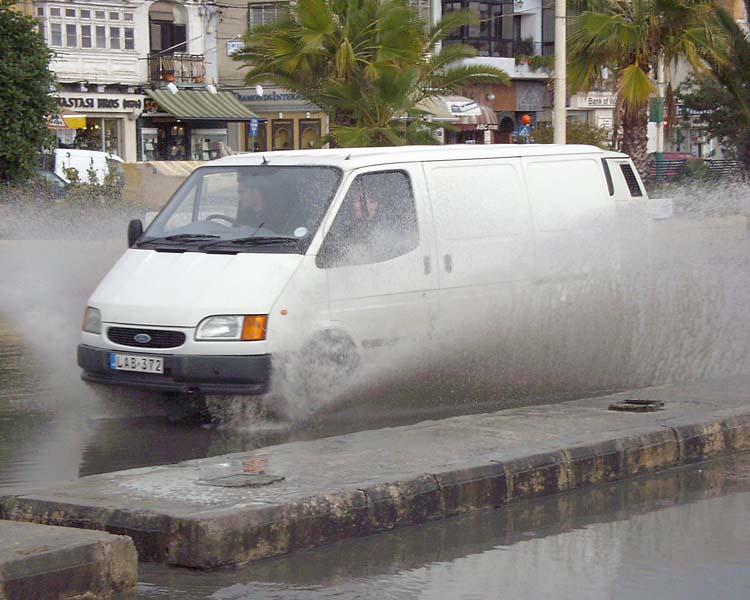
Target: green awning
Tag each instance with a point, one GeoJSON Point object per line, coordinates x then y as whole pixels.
{"type": "Point", "coordinates": [200, 105]}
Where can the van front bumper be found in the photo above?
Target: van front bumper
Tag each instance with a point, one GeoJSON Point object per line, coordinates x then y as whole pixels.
{"type": "Point", "coordinates": [249, 374]}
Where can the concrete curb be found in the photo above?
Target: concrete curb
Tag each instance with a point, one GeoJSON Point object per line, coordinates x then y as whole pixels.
{"type": "Point", "coordinates": [255, 530]}
{"type": "Point", "coordinates": [43, 562]}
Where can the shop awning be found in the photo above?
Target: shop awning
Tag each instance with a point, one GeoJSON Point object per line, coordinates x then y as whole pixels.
{"type": "Point", "coordinates": [461, 111]}
{"type": "Point", "coordinates": [200, 105]}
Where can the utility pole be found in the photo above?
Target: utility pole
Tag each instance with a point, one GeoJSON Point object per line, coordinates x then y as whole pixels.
{"type": "Point", "coordinates": [560, 72]}
{"type": "Point", "coordinates": [660, 87]}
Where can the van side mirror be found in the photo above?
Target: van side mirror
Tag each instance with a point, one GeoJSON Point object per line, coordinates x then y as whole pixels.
{"type": "Point", "coordinates": [135, 230]}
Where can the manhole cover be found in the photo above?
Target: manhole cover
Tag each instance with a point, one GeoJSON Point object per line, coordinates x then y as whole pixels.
{"type": "Point", "coordinates": [637, 405]}
{"type": "Point", "coordinates": [241, 480]}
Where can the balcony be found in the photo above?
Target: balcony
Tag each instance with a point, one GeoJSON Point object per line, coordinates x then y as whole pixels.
{"type": "Point", "coordinates": [504, 48]}
{"type": "Point", "coordinates": [177, 68]}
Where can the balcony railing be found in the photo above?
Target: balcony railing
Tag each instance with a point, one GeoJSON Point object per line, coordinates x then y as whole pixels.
{"type": "Point", "coordinates": [178, 68]}
{"type": "Point", "coordinates": [505, 48]}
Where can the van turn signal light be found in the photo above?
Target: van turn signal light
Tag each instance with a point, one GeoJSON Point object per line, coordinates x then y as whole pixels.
{"type": "Point", "coordinates": [254, 328]}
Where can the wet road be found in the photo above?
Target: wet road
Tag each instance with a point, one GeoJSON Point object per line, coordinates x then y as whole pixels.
{"type": "Point", "coordinates": [682, 534]}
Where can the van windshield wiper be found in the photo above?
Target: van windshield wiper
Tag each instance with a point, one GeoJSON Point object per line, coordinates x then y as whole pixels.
{"type": "Point", "coordinates": [182, 237]}
{"type": "Point", "coordinates": [254, 241]}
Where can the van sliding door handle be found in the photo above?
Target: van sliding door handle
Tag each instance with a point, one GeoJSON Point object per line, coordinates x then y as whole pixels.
{"type": "Point", "coordinates": [448, 262]}
{"type": "Point", "coordinates": [427, 265]}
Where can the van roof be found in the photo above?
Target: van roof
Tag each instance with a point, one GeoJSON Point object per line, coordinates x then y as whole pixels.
{"type": "Point", "coordinates": [351, 158]}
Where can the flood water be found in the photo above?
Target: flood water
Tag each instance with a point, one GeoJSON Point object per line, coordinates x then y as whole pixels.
{"type": "Point", "coordinates": [681, 534]}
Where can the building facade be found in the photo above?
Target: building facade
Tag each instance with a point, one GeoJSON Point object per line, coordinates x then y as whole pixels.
{"type": "Point", "coordinates": [112, 57]}
{"type": "Point", "coordinates": [286, 121]}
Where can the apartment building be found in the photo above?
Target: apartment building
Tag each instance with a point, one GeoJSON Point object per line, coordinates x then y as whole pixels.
{"type": "Point", "coordinates": [134, 77]}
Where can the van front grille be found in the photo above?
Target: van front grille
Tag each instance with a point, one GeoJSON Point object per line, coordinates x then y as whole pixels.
{"type": "Point", "coordinates": [157, 338]}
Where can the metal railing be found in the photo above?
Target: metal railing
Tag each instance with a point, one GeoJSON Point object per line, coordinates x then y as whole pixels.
{"type": "Point", "coordinates": [178, 68]}
{"type": "Point", "coordinates": [670, 170]}
{"type": "Point", "coordinates": [504, 48]}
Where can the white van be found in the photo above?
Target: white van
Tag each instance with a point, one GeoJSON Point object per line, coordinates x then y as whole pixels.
{"type": "Point", "coordinates": [92, 166]}
{"type": "Point", "coordinates": [338, 253]}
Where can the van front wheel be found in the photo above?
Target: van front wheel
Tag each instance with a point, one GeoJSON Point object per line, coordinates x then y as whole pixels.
{"type": "Point", "coordinates": [326, 364]}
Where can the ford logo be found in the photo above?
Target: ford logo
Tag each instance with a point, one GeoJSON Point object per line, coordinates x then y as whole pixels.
{"type": "Point", "coordinates": [142, 338]}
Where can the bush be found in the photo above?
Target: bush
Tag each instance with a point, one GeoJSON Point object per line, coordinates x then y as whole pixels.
{"type": "Point", "coordinates": [575, 133]}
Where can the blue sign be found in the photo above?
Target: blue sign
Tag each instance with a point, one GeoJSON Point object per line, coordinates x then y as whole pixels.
{"type": "Point", "coordinates": [524, 131]}
{"type": "Point", "coordinates": [253, 127]}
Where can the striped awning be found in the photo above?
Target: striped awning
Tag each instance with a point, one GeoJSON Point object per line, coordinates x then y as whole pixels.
{"type": "Point", "coordinates": [200, 105]}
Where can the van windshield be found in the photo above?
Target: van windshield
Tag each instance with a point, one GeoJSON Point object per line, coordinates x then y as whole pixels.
{"type": "Point", "coordinates": [244, 209]}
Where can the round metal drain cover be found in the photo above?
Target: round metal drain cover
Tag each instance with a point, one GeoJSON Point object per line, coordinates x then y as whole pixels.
{"type": "Point", "coordinates": [241, 480]}
{"type": "Point", "coordinates": [637, 405]}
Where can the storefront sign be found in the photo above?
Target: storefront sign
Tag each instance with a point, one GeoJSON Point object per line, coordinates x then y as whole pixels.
{"type": "Point", "coordinates": [275, 99]}
{"type": "Point", "coordinates": [101, 102]}
{"type": "Point", "coordinates": [600, 101]}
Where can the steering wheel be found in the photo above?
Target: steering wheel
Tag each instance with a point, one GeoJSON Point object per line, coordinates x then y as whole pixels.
{"type": "Point", "coordinates": [220, 217]}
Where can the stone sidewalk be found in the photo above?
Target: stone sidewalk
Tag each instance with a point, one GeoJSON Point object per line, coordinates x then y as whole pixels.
{"type": "Point", "coordinates": [42, 562]}
{"type": "Point", "coordinates": [241, 507]}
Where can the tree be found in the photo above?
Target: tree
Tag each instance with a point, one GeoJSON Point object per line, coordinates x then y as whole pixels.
{"type": "Point", "coordinates": [722, 96]}
{"type": "Point", "coordinates": [628, 37]}
{"type": "Point", "coordinates": [367, 63]}
{"type": "Point", "coordinates": [25, 102]}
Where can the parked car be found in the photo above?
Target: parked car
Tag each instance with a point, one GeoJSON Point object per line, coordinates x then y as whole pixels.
{"type": "Point", "coordinates": [91, 166]}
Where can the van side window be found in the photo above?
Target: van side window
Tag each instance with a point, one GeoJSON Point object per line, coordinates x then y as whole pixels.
{"type": "Point", "coordinates": [377, 221]}
{"type": "Point", "coordinates": [631, 180]}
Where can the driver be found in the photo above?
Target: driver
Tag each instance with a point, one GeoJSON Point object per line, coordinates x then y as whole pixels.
{"type": "Point", "coordinates": [251, 208]}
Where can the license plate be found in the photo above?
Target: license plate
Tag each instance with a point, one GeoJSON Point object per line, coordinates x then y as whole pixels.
{"type": "Point", "coordinates": [136, 362]}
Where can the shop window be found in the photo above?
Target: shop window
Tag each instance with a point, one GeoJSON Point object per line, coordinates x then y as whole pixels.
{"type": "Point", "coordinates": [85, 36]}
{"type": "Point", "coordinates": [99, 134]}
{"type": "Point", "coordinates": [377, 221]}
{"type": "Point", "coordinates": [266, 14]}
{"type": "Point", "coordinates": [149, 141]}
{"type": "Point", "coordinates": [114, 38]}
{"type": "Point", "coordinates": [175, 142]}
{"type": "Point", "coordinates": [309, 133]}
{"type": "Point", "coordinates": [283, 135]}
{"type": "Point", "coordinates": [208, 144]}
{"type": "Point", "coordinates": [101, 36]}
{"type": "Point", "coordinates": [71, 40]}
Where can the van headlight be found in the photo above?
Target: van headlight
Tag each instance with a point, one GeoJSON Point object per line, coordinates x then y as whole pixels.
{"type": "Point", "coordinates": [92, 320]}
{"type": "Point", "coordinates": [241, 328]}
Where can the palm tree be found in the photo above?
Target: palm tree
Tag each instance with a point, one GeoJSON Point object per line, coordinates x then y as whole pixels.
{"type": "Point", "coordinates": [629, 36]}
{"type": "Point", "coordinates": [367, 63]}
{"type": "Point", "coordinates": [723, 94]}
